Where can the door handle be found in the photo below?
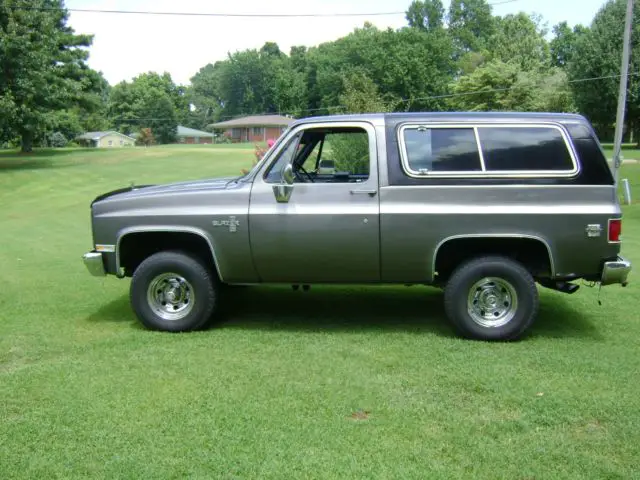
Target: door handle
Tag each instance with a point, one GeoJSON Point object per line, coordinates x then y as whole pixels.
{"type": "Point", "coordinates": [371, 193]}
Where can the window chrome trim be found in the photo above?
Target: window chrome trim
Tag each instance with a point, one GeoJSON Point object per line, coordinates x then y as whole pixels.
{"type": "Point", "coordinates": [365, 125]}
{"type": "Point", "coordinates": [404, 160]}
{"type": "Point", "coordinates": [479, 145]}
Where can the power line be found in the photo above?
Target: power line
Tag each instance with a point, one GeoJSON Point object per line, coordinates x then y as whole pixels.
{"type": "Point", "coordinates": [208, 14]}
{"type": "Point", "coordinates": [221, 14]}
{"type": "Point", "coordinates": [403, 100]}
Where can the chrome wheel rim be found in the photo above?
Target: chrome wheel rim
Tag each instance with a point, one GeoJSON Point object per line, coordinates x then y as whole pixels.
{"type": "Point", "coordinates": [492, 302]}
{"type": "Point", "coordinates": [170, 296]}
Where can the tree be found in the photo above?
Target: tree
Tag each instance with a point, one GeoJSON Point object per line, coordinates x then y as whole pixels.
{"type": "Point", "coordinates": [520, 39]}
{"type": "Point", "coordinates": [425, 14]}
{"type": "Point", "coordinates": [260, 81]}
{"type": "Point", "coordinates": [204, 95]}
{"type": "Point", "coordinates": [361, 95]}
{"type": "Point", "coordinates": [149, 100]}
{"type": "Point", "coordinates": [597, 53]}
{"type": "Point", "coordinates": [42, 66]}
{"type": "Point", "coordinates": [505, 86]}
{"type": "Point", "coordinates": [563, 44]}
{"type": "Point", "coordinates": [471, 24]}
{"type": "Point", "coordinates": [409, 64]}
{"type": "Point", "coordinates": [160, 115]}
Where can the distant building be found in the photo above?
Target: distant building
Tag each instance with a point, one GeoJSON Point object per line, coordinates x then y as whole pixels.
{"type": "Point", "coordinates": [254, 128]}
{"type": "Point", "coordinates": [105, 139]}
{"type": "Point", "coordinates": [191, 135]}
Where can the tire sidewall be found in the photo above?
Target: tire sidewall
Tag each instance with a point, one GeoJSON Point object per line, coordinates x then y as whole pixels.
{"type": "Point", "coordinates": [193, 271]}
{"type": "Point", "coordinates": [457, 292]}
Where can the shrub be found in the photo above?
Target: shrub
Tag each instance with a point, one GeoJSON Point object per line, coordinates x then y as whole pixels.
{"type": "Point", "coordinates": [145, 137]}
{"type": "Point", "coordinates": [223, 139]}
{"type": "Point", "coordinates": [259, 153]}
{"type": "Point", "coordinates": [57, 140]}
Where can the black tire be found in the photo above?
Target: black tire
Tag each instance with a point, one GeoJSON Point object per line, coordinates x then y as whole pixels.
{"type": "Point", "coordinates": [511, 278]}
{"type": "Point", "coordinates": [198, 294]}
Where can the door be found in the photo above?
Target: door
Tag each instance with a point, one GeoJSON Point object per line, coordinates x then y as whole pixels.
{"type": "Point", "coordinates": [327, 230]}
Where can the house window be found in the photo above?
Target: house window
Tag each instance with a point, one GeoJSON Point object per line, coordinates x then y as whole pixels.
{"type": "Point", "coordinates": [110, 143]}
{"type": "Point", "coordinates": [121, 142]}
{"type": "Point", "coordinates": [257, 131]}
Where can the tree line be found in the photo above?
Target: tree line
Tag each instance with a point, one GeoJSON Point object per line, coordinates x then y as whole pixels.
{"type": "Point", "coordinates": [463, 58]}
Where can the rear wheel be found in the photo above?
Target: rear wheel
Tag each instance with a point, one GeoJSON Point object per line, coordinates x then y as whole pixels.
{"type": "Point", "coordinates": [174, 292]}
{"type": "Point", "coordinates": [491, 298]}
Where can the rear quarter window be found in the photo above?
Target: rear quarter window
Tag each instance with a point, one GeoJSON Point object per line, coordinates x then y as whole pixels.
{"type": "Point", "coordinates": [524, 148]}
{"type": "Point", "coordinates": [442, 150]}
{"type": "Point", "coordinates": [485, 150]}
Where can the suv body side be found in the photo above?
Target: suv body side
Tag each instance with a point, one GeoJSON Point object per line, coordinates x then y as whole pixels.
{"type": "Point", "coordinates": [420, 215]}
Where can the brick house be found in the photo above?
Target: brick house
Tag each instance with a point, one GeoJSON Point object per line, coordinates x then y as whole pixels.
{"type": "Point", "coordinates": [191, 135]}
{"type": "Point", "coordinates": [254, 128]}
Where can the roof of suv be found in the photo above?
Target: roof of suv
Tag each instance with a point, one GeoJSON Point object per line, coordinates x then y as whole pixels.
{"type": "Point", "coordinates": [462, 116]}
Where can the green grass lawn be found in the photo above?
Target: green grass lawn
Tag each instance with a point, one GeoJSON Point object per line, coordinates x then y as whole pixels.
{"type": "Point", "coordinates": [629, 152]}
{"type": "Point", "coordinates": [338, 382]}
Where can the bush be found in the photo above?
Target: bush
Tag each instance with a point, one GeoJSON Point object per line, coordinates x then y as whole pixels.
{"type": "Point", "coordinates": [145, 137]}
{"type": "Point", "coordinates": [57, 140]}
{"type": "Point", "coordinates": [223, 139]}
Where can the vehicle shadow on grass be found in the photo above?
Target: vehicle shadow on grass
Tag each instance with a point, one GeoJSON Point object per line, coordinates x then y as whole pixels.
{"type": "Point", "coordinates": [414, 309]}
{"type": "Point", "coordinates": [116, 311]}
{"type": "Point", "coordinates": [408, 309]}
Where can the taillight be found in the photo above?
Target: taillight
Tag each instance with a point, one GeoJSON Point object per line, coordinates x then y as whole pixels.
{"type": "Point", "coordinates": [615, 229]}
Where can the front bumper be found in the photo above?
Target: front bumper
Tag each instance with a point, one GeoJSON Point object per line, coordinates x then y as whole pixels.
{"type": "Point", "coordinates": [616, 271]}
{"type": "Point", "coordinates": [94, 263]}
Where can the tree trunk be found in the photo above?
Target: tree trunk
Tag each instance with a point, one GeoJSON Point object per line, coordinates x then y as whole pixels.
{"type": "Point", "coordinates": [27, 142]}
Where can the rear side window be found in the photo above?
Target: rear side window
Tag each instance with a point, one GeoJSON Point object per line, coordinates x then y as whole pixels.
{"type": "Point", "coordinates": [442, 150]}
{"type": "Point", "coordinates": [485, 150]}
{"type": "Point", "coordinates": [524, 148]}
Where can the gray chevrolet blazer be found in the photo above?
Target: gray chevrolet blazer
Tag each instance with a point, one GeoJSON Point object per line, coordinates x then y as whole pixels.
{"type": "Point", "coordinates": [483, 205]}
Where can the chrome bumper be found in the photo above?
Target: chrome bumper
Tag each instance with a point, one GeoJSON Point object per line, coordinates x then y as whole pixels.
{"type": "Point", "coordinates": [93, 262]}
{"type": "Point", "coordinates": [616, 271]}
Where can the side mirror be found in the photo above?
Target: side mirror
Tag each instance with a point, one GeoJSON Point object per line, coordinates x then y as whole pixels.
{"type": "Point", "coordinates": [287, 174]}
{"type": "Point", "coordinates": [283, 191]}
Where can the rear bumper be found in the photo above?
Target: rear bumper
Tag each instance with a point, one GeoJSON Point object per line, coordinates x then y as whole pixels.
{"type": "Point", "coordinates": [95, 264]}
{"type": "Point", "coordinates": [616, 271]}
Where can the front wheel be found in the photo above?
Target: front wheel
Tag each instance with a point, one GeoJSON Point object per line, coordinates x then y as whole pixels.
{"type": "Point", "coordinates": [491, 298]}
{"type": "Point", "coordinates": [174, 292]}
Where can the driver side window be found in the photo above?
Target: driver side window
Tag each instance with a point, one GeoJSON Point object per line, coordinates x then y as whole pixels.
{"type": "Point", "coordinates": [325, 155]}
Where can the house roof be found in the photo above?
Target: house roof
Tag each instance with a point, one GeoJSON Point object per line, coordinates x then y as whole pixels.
{"type": "Point", "coordinates": [192, 132]}
{"type": "Point", "coordinates": [255, 121]}
{"type": "Point", "coordinates": [99, 135]}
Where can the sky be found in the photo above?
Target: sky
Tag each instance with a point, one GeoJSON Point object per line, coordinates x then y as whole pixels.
{"type": "Point", "coordinates": [126, 45]}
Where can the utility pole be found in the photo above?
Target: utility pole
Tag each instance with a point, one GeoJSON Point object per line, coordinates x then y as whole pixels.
{"type": "Point", "coordinates": [622, 95]}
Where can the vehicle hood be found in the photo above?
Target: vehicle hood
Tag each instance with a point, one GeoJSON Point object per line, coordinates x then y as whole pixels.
{"type": "Point", "coordinates": [133, 191]}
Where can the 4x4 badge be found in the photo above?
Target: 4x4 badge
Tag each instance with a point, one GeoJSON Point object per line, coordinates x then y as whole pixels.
{"type": "Point", "coordinates": [232, 223]}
